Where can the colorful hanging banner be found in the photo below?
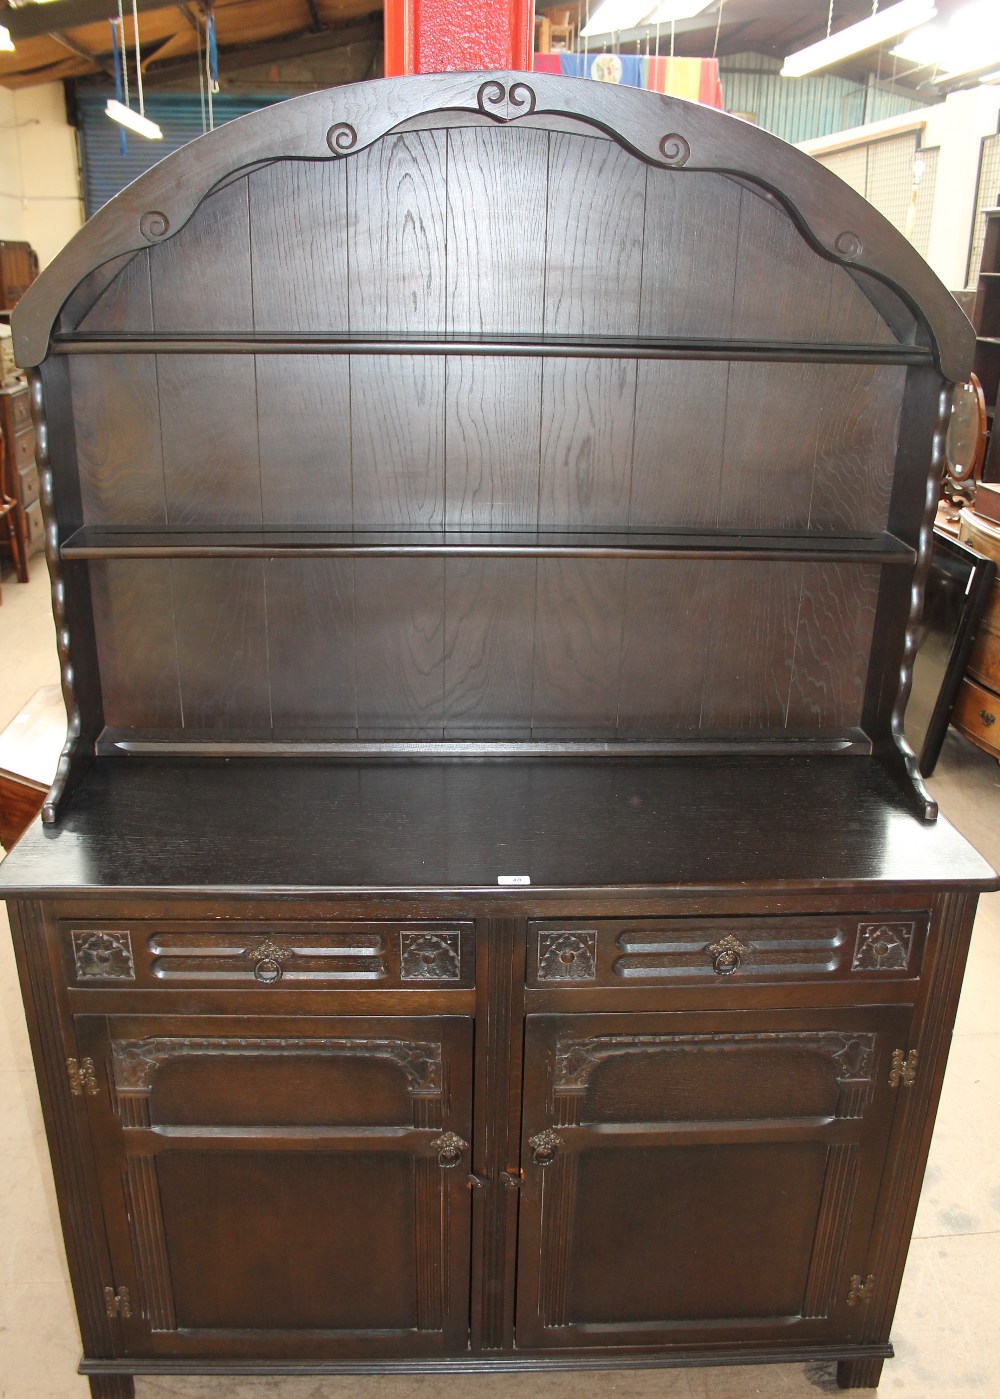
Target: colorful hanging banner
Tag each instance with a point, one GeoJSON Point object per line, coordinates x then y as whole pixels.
{"type": "Point", "coordinates": [696, 79]}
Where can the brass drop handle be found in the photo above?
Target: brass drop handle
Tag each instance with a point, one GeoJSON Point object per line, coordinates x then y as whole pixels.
{"type": "Point", "coordinates": [544, 1146]}
{"type": "Point", "coordinates": [987, 717]}
{"type": "Point", "coordinates": [267, 970]}
{"type": "Point", "coordinates": [449, 1147]}
{"type": "Point", "coordinates": [727, 955]}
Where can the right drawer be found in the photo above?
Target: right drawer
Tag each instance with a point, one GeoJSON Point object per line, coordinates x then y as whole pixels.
{"type": "Point", "coordinates": [651, 951]}
{"type": "Point", "coordinates": [28, 486]}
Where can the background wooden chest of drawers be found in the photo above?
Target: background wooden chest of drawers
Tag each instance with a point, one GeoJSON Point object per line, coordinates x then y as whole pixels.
{"type": "Point", "coordinates": [21, 471]}
{"type": "Point", "coordinates": [977, 709]}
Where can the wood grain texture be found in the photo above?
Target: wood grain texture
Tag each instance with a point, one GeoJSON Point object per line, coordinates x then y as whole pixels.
{"type": "Point", "coordinates": [493, 441]}
{"type": "Point", "coordinates": [782, 285]}
{"type": "Point", "coordinates": [692, 222]}
{"type": "Point", "coordinates": [593, 265]}
{"type": "Point", "coordinates": [397, 234]}
{"type": "Point", "coordinates": [397, 440]}
{"type": "Point", "coordinates": [578, 632]}
{"type": "Point", "coordinates": [588, 407]}
{"type": "Point", "coordinates": [852, 317]}
{"type": "Point", "coordinates": [400, 644]}
{"type": "Point", "coordinates": [117, 413]}
{"type": "Point", "coordinates": [832, 645]}
{"type": "Point", "coordinates": [680, 420]}
{"type": "Point", "coordinates": [754, 614]}
{"type": "Point", "coordinates": [221, 628]}
{"type": "Point", "coordinates": [116, 408]}
{"type": "Point", "coordinates": [304, 407]}
{"type": "Point", "coordinates": [310, 643]}
{"type": "Point", "coordinates": [208, 417]}
{"type": "Point", "coordinates": [201, 278]}
{"type": "Point", "coordinates": [489, 633]}
{"type": "Point", "coordinates": [666, 631]}
{"type": "Point", "coordinates": [772, 412]}
{"type": "Point", "coordinates": [137, 653]}
{"type": "Point", "coordinates": [857, 436]}
{"type": "Point", "coordinates": [298, 246]}
{"type": "Point", "coordinates": [496, 229]}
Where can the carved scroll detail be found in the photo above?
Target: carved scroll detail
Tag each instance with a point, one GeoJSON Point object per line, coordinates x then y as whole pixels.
{"type": "Point", "coordinates": [103, 956]}
{"type": "Point", "coordinates": [576, 1060]}
{"type": "Point", "coordinates": [492, 95]}
{"type": "Point", "coordinates": [135, 1063]}
{"type": "Point", "coordinates": [567, 956]}
{"type": "Point", "coordinates": [430, 957]}
{"type": "Point", "coordinates": [883, 947]}
{"type": "Point", "coordinates": [848, 245]}
{"type": "Point", "coordinates": [154, 225]}
{"type": "Point", "coordinates": [675, 150]}
{"type": "Point", "coordinates": [341, 138]}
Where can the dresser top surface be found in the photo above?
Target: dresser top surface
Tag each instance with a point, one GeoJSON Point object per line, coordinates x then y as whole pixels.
{"type": "Point", "coordinates": [285, 826]}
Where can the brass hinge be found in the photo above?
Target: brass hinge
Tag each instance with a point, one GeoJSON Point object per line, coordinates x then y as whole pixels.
{"type": "Point", "coordinates": [117, 1303]}
{"type": "Point", "coordinates": [82, 1077]}
{"type": "Point", "coordinates": [904, 1068]}
{"type": "Point", "coordinates": [861, 1290]}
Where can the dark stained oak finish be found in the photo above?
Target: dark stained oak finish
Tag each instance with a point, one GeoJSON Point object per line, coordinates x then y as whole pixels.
{"type": "Point", "coordinates": [486, 916]}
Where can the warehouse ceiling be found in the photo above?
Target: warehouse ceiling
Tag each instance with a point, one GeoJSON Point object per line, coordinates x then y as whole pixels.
{"type": "Point", "coordinates": [61, 39]}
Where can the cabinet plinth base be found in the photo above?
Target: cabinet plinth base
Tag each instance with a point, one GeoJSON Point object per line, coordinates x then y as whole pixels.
{"type": "Point", "coordinates": [859, 1374]}
{"type": "Point", "coordinates": [112, 1387]}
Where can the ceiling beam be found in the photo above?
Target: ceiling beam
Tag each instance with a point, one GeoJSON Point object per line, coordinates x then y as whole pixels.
{"type": "Point", "coordinates": [29, 21]}
{"type": "Point", "coordinates": [99, 63]}
{"type": "Point", "coordinates": [368, 31]}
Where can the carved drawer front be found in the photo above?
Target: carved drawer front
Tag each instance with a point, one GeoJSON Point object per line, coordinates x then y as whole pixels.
{"type": "Point", "coordinates": [28, 488]}
{"type": "Point", "coordinates": [20, 410]}
{"type": "Point", "coordinates": [622, 952]}
{"type": "Point", "coordinates": [297, 955]}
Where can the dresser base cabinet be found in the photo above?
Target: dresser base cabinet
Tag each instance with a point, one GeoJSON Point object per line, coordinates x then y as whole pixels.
{"type": "Point", "coordinates": [480, 1157]}
{"type": "Point", "coordinates": [486, 916]}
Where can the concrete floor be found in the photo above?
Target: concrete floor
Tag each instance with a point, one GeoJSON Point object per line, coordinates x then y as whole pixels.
{"type": "Point", "coordinates": [946, 1337]}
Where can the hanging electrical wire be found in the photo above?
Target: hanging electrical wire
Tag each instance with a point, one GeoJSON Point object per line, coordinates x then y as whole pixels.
{"type": "Point", "coordinates": [116, 54]}
{"type": "Point", "coordinates": [211, 67]}
{"type": "Point", "coordinates": [201, 81]}
{"type": "Point", "coordinates": [718, 26]}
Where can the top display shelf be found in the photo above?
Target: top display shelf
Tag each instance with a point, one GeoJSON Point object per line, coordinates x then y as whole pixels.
{"type": "Point", "coordinates": [463, 343]}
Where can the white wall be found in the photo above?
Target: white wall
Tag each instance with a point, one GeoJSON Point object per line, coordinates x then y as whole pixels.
{"type": "Point", "coordinates": [956, 127]}
{"type": "Point", "coordinates": [40, 198]}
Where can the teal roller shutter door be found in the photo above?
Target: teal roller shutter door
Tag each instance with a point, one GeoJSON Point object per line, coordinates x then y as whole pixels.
{"type": "Point", "coordinates": [106, 171]}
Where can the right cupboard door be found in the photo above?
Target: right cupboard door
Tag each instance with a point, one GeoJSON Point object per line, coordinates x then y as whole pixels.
{"type": "Point", "coordinates": [690, 1179]}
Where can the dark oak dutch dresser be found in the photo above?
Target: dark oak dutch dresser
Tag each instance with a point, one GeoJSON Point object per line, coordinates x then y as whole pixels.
{"type": "Point", "coordinates": [486, 916]}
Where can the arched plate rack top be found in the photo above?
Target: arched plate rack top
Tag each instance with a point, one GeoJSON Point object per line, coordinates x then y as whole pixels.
{"type": "Point", "coordinates": [663, 131]}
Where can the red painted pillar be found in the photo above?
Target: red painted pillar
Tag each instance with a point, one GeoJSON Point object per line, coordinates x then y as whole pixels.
{"type": "Point", "coordinates": [448, 36]}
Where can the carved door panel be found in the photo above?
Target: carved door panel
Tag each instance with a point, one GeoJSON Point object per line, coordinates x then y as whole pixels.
{"type": "Point", "coordinates": [690, 1179]}
{"type": "Point", "coordinates": [285, 1187]}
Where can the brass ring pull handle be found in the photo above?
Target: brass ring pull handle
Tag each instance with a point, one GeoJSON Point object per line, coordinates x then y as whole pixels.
{"type": "Point", "coordinates": [449, 1147]}
{"type": "Point", "coordinates": [267, 958]}
{"type": "Point", "coordinates": [544, 1145]}
{"type": "Point", "coordinates": [727, 955]}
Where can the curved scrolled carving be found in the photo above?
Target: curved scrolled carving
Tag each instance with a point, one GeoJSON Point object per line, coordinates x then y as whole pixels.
{"type": "Point", "coordinates": [675, 150]}
{"type": "Point", "coordinates": [522, 96]}
{"type": "Point", "coordinates": [341, 138]}
{"type": "Point", "coordinates": [154, 225]}
{"type": "Point", "coordinates": [849, 245]}
{"type": "Point", "coordinates": [492, 95]}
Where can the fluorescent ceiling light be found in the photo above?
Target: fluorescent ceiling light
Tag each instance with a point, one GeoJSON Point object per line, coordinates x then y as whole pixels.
{"type": "Point", "coordinates": [6, 42]}
{"type": "Point", "coordinates": [615, 15]}
{"type": "Point", "coordinates": [858, 38]}
{"type": "Point", "coordinates": [970, 40]}
{"type": "Point", "coordinates": [677, 9]}
{"type": "Point", "coordinates": [117, 111]}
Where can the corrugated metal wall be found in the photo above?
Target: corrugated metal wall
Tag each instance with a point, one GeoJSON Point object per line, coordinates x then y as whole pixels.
{"type": "Point", "coordinates": [106, 170]}
{"type": "Point", "coordinates": [797, 109]}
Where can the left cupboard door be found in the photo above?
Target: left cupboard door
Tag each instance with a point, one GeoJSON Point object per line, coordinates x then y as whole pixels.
{"type": "Point", "coordinates": [285, 1188]}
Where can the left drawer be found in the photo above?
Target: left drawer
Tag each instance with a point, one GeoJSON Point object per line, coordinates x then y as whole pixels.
{"type": "Point", "coordinates": [121, 954]}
